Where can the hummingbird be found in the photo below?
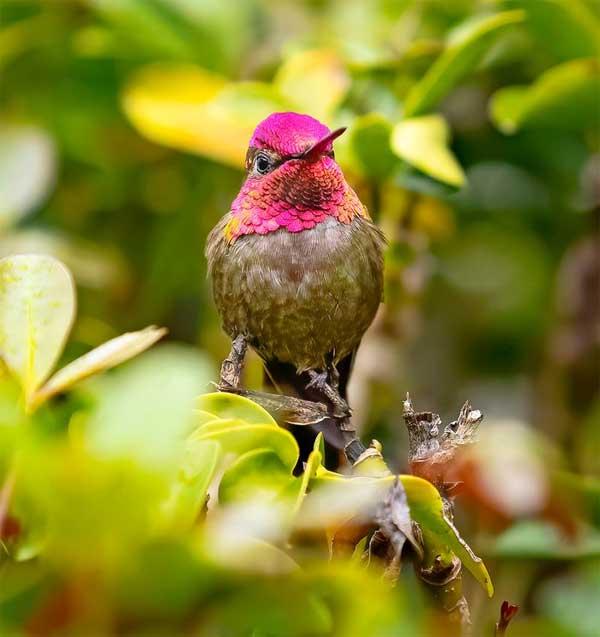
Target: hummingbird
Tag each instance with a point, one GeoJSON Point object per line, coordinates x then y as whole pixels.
{"type": "Point", "coordinates": [297, 263]}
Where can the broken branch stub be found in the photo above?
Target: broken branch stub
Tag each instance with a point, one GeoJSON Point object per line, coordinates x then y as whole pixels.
{"type": "Point", "coordinates": [432, 447]}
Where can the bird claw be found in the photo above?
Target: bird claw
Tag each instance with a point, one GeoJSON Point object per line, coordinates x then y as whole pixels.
{"type": "Point", "coordinates": [319, 382]}
{"type": "Point", "coordinates": [231, 368]}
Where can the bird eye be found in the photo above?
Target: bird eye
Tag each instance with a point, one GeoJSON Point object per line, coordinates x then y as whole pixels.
{"type": "Point", "coordinates": [263, 164]}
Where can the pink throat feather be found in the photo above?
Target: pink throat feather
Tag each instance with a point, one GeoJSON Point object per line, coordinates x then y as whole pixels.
{"type": "Point", "coordinates": [295, 198]}
{"type": "Point", "coordinates": [298, 194]}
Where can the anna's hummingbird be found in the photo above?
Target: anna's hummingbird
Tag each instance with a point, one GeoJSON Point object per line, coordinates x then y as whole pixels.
{"type": "Point", "coordinates": [296, 264]}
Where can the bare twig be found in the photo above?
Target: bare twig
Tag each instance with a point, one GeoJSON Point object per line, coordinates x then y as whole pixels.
{"type": "Point", "coordinates": [290, 409]}
{"type": "Point", "coordinates": [433, 448]}
{"type": "Point", "coordinates": [444, 581]}
{"type": "Point", "coordinates": [431, 452]}
{"type": "Point", "coordinates": [395, 527]}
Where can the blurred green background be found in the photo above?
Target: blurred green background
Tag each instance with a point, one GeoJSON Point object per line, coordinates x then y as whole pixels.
{"type": "Point", "coordinates": [473, 139]}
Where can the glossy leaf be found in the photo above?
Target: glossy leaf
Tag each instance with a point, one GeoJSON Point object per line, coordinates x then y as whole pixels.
{"type": "Point", "coordinates": [189, 491]}
{"type": "Point", "coordinates": [148, 25]}
{"type": "Point", "coordinates": [311, 468]}
{"type": "Point", "coordinates": [256, 473]}
{"type": "Point", "coordinates": [109, 354]}
{"type": "Point", "coordinates": [37, 307]}
{"type": "Point", "coordinates": [236, 436]}
{"type": "Point", "coordinates": [564, 97]}
{"type": "Point", "coordinates": [224, 405]}
{"type": "Point", "coordinates": [439, 534]}
{"type": "Point", "coordinates": [202, 417]}
{"type": "Point", "coordinates": [532, 539]}
{"type": "Point", "coordinates": [27, 171]}
{"type": "Point", "coordinates": [92, 265]}
{"type": "Point", "coordinates": [144, 409]}
{"type": "Point", "coordinates": [462, 55]}
{"type": "Point", "coordinates": [188, 108]}
{"type": "Point", "coordinates": [314, 82]}
{"type": "Point", "coordinates": [370, 138]}
{"type": "Point", "coordinates": [567, 28]}
{"type": "Point", "coordinates": [355, 498]}
{"type": "Point", "coordinates": [423, 143]}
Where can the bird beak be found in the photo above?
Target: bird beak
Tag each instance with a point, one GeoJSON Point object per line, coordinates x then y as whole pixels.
{"type": "Point", "coordinates": [321, 147]}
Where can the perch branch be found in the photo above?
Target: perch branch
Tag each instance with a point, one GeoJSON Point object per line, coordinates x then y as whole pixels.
{"type": "Point", "coordinates": [297, 411]}
{"type": "Point", "coordinates": [432, 450]}
{"type": "Point", "coordinates": [294, 411]}
{"type": "Point", "coordinates": [289, 409]}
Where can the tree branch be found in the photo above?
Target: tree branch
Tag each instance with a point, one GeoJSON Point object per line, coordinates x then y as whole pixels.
{"type": "Point", "coordinates": [431, 452]}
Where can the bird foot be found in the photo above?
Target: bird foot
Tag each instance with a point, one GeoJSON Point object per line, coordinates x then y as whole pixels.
{"type": "Point", "coordinates": [231, 368]}
{"type": "Point", "coordinates": [320, 382]}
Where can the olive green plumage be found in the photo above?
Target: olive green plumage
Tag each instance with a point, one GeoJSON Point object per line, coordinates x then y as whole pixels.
{"type": "Point", "coordinates": [302, 298]}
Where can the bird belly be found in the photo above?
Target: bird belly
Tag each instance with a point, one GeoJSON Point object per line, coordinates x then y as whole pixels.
{"type": "Point", "coordinates": [303, 298]}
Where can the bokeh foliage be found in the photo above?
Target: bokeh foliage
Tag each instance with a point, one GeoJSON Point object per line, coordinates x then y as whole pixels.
{"type": "Point", "coordinates": [474, 140]}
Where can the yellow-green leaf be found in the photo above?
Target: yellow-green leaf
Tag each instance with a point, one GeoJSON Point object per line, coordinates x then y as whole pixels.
{"type": "Point", "coordinates": [37, 307]}
{"type": "Point", "coordinates": [336, 498]}
{"type": "Point", "coordinates": [463, 55]}
{"type": "Point", "coordinates": [191, 109]}
{"type": "Point", "coordinates": [311, 467]}
{"type": "Point", "coordinates": [314, 82]}
{"type": "Point", "coordinates": [238, 437]}
{"type": "Point", "coordinates": [256, 473]}
{"type": "Point", "coordinates": [202, 417]}
{"type": "Point", "coordinates": [107, 355]}
{"type": "Point", "coordinates": [27, 170]}
{"type": "Point", "coordinates": [189, 491]}
{"type": "Point", "coordinates": [143, 411]}
{"type": "Point", "coordinates": [565, 28]}
{"type": "Point", "coordinates": [370, 139]}
{"type": "Point", "coordinates": [423, 143]}
{"type": "Point", "coordinates": [440, 536]}
{"type": "Point", "coordinates": [564, 97]}
{"type": "Point", "coordinates": [224, 405]}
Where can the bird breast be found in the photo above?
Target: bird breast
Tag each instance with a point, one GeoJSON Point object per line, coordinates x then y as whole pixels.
{"type": "Point", "coordinates": [301, 298]}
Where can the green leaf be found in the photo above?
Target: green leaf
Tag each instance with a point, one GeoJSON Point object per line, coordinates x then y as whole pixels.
{"type": "Point", "coordinates": [224, 405]}
{"type": "Point", "coordinates": [27, 171]}
{"type": "Point", "coordinates": [567, 28]}
{"type": "Point", "coordinates": [370, 139]}
{"type": "Point", "coordinates": [202, 417]}
{"type": "Point", "coordinates": [144, 409]}
{"type": "Point", "coordinates": [92, 265]}
{"type": "Point", "coordinates": [439, 534]}
{"type": "Point", "coordinates": [148, 26]}
{"type": "Point", "coordinates": [314, 82]}
{"type": "Point", "coordinates": [339, 499]}
{"type": "Point", "coordinates": [462, 56]}
{"type": "Point", "coordinates": [564, 97]}
{"type": "Point", "coordinates": [314, 462]}
{"type": "Point", "coordinates": [538, 540]}
{"type": "Point", "coordinates": [189, 108]}
{"type": "Point", "coordinates": [236, 436]}
{"type": "Point", "coordinates": [259, 472]}
{"type": "Point", "coordinates": [423, 143]}
{"type": "Point", "coordinates": [109, 354]}
{"type": "Point", "coordinates": [189, 491]}
{"type": "Point", "coordinates": [37, 307]}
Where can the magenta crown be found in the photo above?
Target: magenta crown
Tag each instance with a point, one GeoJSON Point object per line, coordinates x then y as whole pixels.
{"type": "Point", "coordinates": [288, 133]}
{"type": "Point", "coordinates": [303, 191]}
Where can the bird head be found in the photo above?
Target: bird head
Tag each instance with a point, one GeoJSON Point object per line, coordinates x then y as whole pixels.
{"type": "Point", "coordinates": [293, 181]}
